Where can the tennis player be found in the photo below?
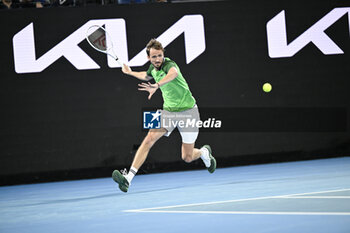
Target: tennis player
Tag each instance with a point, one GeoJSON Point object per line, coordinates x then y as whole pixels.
{"type": "Point", "coordinates": [179, 104]}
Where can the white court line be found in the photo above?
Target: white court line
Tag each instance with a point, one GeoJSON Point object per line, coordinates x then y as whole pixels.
{"type": "Point", "coordinates": [328, 191]}
{"type": "Point", "coordinates": [158, 209]}
{"type": "Point", "coordinates": [316, 197]}
{"type": "Point", "coordinates": [244, 212]}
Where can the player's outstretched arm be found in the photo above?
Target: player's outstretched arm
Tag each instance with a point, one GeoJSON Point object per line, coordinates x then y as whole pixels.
{"type": "Point", "coordinates": [152, 88]}
{"type": "Point", "coordinates": [171, 75]}
{"type": "Point", "coordinates": [142, 75]}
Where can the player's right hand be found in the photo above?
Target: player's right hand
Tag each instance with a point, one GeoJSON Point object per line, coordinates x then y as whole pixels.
{"type": "Point", "coordinates": [126, 69]}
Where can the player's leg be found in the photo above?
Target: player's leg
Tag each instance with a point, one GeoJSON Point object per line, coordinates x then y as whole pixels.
{"type": "Point", "coordinates": [124, 180]}
{"type": "Point", "coordinates": [189, 153]}
{"type": "Point", "coordinates": [189, 134]}
{"type": "Point", "coordinates": [142, 152]}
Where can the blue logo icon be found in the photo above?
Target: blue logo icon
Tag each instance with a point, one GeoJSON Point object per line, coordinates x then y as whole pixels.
{"type": "Point", "coordinates": [151, 120]}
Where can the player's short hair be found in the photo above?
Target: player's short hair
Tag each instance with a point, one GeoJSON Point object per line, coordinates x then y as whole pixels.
{"type": "Point", "coordinates": [153, 43]}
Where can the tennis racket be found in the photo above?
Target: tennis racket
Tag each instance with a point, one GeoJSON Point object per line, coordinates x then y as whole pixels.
{"type": "Point", "coordinates": [100, 40]}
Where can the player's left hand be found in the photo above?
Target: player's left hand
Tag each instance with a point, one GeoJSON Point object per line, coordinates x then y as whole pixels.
{"type": "Point", "coordinates": [151, 88]}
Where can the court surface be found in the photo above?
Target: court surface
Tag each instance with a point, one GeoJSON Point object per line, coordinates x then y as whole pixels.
{"type": "Point", "coordinates": [306, 196]}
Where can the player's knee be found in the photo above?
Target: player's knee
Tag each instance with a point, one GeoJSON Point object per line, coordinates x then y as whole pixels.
{"type": "Point", "coordinates": [187, 157]}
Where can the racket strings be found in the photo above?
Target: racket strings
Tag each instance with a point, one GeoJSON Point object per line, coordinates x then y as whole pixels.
{"type": "Point", "coordinates": [98, 38]}
{"type": "Point", "coordinates": [101, 41]}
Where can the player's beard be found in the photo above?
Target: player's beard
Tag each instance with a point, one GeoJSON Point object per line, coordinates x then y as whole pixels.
{"type": "Point", "coordinates": [157, 65]}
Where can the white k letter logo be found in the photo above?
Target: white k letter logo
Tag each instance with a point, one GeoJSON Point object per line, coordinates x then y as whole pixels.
{"type": "Point", "coordinates": [26, 62]}
{"type": "Point", "coordinates": [24, 48]}
{"type": "Point", "coordinates": [277, 35]}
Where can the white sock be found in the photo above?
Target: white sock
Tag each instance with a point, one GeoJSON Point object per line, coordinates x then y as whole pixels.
{"type": "Point", "coordinates": [131, 174]}
{"type": "Point", "coordinates": [205, 156]}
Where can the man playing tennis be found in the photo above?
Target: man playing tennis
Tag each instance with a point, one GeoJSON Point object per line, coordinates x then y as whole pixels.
{"type": "Point", "coordinates": [178, 102]}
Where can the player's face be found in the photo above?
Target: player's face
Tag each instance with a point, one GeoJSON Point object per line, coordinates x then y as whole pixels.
{"type": "Point", "coordinates": [156, 57]}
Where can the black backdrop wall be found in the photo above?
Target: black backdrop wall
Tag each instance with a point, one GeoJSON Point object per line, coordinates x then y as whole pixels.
{"type": "Point", "coordinates": [64, 123]}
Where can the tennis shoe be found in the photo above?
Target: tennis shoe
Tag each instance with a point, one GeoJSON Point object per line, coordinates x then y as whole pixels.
{"type": "Point", "coordinates": [212, 166]}
{"type": "Point", "coordinates": [119, 177]}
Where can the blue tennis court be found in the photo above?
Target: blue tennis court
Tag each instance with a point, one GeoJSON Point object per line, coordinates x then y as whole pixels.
{"type": "Point", "coordinates": [306, 196]}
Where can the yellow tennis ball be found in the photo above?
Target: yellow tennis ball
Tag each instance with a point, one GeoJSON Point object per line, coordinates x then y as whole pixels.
{"type": "Point", "coordinates": [267, 87]}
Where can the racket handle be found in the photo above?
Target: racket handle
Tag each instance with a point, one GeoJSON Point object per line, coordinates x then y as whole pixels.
{"type": "Point", "coordinates": [119, 62]}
